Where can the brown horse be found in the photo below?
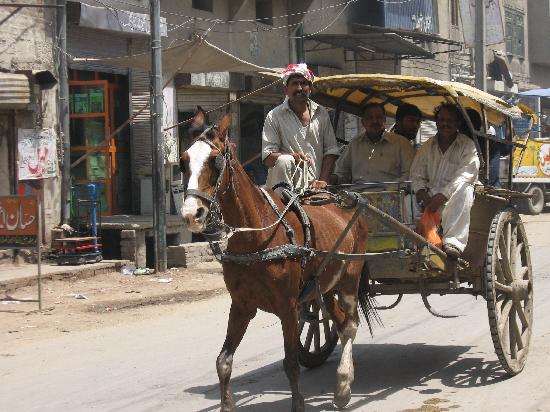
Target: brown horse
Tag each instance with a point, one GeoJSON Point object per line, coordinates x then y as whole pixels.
{"type": "Point", "coordinates": [215, 179]}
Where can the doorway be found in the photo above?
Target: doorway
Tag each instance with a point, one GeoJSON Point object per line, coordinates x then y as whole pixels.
{"type": "Point", "coordinates": [99, 103]}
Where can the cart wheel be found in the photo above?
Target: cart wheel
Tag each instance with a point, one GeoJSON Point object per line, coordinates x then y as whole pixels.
{"type": "Point", "coordinates": [319, 333]}
{"type": "Point", "coordinates": [509, 286]}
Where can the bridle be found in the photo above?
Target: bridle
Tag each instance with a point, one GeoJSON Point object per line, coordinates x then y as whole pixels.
{"type": "Point", "coordinates": [214, 220]}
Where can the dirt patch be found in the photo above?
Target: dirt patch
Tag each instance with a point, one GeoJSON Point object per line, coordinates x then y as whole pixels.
{"type": "Point", "coordinates": [109, 299]}
{"type": "Point", "coordinates": [432, 405]}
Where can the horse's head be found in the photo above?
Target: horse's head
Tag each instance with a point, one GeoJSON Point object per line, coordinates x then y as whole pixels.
{"type": "Point", "coordinates": [203, 166]}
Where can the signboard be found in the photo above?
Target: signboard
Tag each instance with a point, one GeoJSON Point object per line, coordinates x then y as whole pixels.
{"type": "Point", "coordinates": [18, 221]}
{"type": "Point", "coordinates": [37, 154]}
{"type": "Point", "coordinates": [420, 15]}
{"type": "Point", "coordinates": [535, 163]}
{"type": "Point", "coordinates": [494, 31]}
{"type": "Point", "coordinates": [119, 21]}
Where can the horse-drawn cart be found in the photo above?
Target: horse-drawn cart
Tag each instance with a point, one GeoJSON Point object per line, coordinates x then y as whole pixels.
{"type": "Point", "coordinates": [496, 263]}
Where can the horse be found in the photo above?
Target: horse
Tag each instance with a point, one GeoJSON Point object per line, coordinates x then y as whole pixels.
{"type": "Point", "coordinates": [216, 181]}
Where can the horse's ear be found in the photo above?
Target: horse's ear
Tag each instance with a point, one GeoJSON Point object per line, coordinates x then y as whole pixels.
{"type": "Point", "coordinates": [199, 118]}
{"type": "Point", "coordinates": [223, 125]}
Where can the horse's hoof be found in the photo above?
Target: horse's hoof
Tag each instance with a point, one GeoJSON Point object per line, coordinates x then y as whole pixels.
{"type": "Point", "coordinates": [342, 399]}
{"type": "Point", "coordinates": [230, 407]}
{"type": "Point", "coordinates": [298, 404]}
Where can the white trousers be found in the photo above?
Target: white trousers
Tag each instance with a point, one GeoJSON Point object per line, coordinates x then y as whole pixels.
{"type": "Point", "coordinates": [455, 217]}
{"type": "Point", "coordinates": [286, 171]}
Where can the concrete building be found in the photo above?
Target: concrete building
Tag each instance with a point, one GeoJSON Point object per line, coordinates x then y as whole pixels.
{"type": "Point", "coordinates": [28, 94]}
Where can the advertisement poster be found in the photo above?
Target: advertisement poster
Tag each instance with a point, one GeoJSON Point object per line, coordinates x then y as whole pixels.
{"type": "Point", "coordinates": [37, 154]}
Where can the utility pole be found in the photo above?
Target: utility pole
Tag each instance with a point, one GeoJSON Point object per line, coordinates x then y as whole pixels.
{"type": "Point", "coordinates": [159, 207]}
{"type": "Point", "coordinates": [63, 108]}
{"type": "Point", "coordinates": [479, 63]}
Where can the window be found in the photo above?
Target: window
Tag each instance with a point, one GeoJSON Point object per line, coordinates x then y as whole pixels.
{"type": "Point", "coordinates": [454, 13]}
{"type": "Point", "coordinates": [205, 5]}
{"type": "Point", "coordinates": [264, 11]}
{"type": "Point", "coordinates": [514, 33]}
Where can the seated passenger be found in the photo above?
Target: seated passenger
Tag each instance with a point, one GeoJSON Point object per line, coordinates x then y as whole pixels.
{"type": "Point", "coordinates": [407, 121]}
{"type": "Point", "coordinates": [443, 175]}
{"type": "Point", "coordinates": [376, 155]}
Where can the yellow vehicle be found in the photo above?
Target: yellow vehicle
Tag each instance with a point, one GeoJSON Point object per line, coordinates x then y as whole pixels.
{"type": "Point", "coordinates": [532, 174]}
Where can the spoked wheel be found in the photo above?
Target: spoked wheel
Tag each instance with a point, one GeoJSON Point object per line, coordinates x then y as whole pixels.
{"type": "Point", "coordinates": [509, 283]}
{"type": "Point", "coordinates": [318, 336]}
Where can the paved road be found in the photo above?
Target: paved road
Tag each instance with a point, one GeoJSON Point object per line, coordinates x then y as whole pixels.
{"type": "Point", "coordinates": [416, 362]}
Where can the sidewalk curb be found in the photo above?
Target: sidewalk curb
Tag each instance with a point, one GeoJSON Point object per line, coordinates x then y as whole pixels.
{"type": "Point", "coordinates": [106, 306]}
{"type": "Point", "coordinates": [81, 272]}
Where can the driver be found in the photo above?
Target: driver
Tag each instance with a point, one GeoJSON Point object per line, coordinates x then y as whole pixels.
{"type": "Point", "coordinates": [298, 144]}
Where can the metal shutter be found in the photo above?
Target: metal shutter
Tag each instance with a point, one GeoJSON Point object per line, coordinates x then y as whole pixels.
{"type": "Point", "coordinates": [85, 42]}
{"type": "Point", "coordinates": [188, 99]}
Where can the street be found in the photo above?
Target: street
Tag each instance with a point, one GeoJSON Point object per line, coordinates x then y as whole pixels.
{"type": "Point", "coordinates": [167, 362]}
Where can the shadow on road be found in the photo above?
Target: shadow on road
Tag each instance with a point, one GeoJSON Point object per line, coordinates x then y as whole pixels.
{"type": "Point", "coordinates": [380, 371]}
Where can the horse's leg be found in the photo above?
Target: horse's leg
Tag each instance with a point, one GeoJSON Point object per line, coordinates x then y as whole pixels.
{"type": "Point", "coordinates": [239, 318]}
{"type": "Point", "coordinates": [289, 322]}
{"type": "Point", "coordinates": [346, 331]}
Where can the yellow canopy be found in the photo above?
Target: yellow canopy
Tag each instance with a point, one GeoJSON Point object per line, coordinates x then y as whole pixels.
{"type": "Point", "coordinates": [352, 92]}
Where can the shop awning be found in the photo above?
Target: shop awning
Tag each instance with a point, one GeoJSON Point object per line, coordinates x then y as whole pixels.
{"type": "Point", "coordinates": [383, 43]}
{"type": "Point", "coordinates": [535, 93]}
{"type": "Point", "coordinates": [15, 91]}
{"type": "Point", "coordinates": [196, 56]}
{"type": "Point", "coordinates": [414, 35]}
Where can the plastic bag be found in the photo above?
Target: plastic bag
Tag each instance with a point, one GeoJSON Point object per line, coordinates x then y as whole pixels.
{"type": "Point", "coordinates": [428, 225]}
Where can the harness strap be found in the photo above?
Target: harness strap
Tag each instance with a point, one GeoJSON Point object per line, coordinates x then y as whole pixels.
{"type": "Point", "coordinates": [198, 193]}
{"type": "Point", "coordinates": [290, 252]}
{"type": "Point", "coordinates": [288, 228]}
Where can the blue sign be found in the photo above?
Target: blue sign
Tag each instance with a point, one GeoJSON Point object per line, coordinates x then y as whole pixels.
{"type": "Point", "coordinates": [417, 15]}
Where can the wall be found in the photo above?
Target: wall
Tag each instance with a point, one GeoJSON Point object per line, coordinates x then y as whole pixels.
{"type": "Point", "coordinates": [539, 34]}
{"type": "Point", "coordinates": [26, 44]}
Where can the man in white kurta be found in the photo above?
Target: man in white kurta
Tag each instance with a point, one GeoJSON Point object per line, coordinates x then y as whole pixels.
{"type": "Point", "coordinates": [298, 142]}
{"type": "Point", "coordinates": [443, 175]}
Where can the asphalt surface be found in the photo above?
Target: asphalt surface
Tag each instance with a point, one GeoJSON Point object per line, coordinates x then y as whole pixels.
{"type": "Point", "coordinates": [415, 362]}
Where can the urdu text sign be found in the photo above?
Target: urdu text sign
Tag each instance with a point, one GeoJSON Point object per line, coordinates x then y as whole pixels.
{"type": "Point", "coordinates": [18, 220]}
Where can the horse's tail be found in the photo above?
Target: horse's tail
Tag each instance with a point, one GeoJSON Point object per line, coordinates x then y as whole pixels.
{"type": "Point", "coordinates": [367, 303]}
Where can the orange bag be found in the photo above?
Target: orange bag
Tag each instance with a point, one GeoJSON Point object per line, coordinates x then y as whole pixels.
{"type": "Point", "coordinates": [428, 225]}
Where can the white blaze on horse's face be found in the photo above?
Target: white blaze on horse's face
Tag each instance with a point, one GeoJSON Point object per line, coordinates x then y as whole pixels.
{"type": "Point", "coordinates": [194, 212]}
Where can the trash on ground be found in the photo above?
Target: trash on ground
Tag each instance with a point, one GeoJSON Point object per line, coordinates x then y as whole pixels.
{"type": "Point", "coordinates": [162, 280]}
{"type": "Point", "coordinates": [79, 296]}
{"type": "Point", "coordinates": [133, 291]}
{"type": "Point", "coordinates": [144, 271]}
{"type": "Point", "coordinates": [10, 302]}
{"type": "Point", "coordinates": [128, 269]}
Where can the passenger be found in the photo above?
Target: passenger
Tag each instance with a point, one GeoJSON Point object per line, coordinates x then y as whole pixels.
{"type": "Point", "coordinates": [376, 155]}
{"type": "Point", "coordinates": [407, 121]}
{"type": "Point", "coordinates": [298, 133]}
{"type": "Point", "coordinates": [443, 175]}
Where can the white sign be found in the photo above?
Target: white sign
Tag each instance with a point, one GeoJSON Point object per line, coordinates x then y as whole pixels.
{"type": "Point", "coordinates": [37, 154]}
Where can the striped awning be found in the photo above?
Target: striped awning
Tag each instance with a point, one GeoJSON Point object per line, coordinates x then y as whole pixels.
{"type": "Point", "coordinates": [15, 91]}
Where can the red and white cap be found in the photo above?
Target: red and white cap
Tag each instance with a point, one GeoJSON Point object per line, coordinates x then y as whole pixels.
{"type": "Point", "coordinates": [298, 68]}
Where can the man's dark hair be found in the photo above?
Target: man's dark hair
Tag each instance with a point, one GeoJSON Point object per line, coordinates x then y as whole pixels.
{"type": "Point", "coordinates": [373, 105]}
{"type": "Point", "coordinates": [475, 118]}
{"type": "Point", "coordinates": [407, 110]}
{"type": "Point", "coordinates": [451, 108]}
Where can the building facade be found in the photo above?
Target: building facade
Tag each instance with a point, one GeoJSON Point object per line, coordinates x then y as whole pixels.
{"type": "Point", "coordinates": [28, 100]}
